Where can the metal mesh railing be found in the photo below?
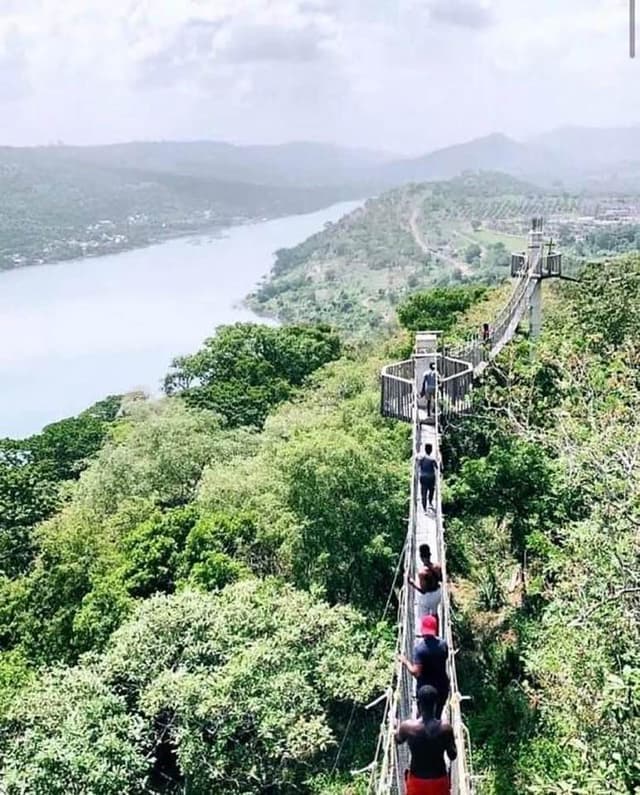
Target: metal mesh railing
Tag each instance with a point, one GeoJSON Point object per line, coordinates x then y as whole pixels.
{"type": "Point", "coordinates": [397, 388]}
{"type": "Point", "coordinates": [455, 386]}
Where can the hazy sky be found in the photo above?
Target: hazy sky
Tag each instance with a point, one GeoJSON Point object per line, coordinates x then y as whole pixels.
{"type": "Point", "coordinates": [402, 75]}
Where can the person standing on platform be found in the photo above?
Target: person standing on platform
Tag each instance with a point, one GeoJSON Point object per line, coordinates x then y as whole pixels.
{"type": "Point", "coordinates": [429, 739]}
{"type": "Point", "coordinates": [428, 390]}
{"type": "Point", "coordinates": [429, 665]}
{"type": "Point", "coordinates": [428, 585]}
{"type": "Point", "coordinates": [427, 468]}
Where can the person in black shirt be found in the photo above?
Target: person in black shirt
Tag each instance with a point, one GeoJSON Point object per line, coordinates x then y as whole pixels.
{"type": "Point", "coordinates": [427, 468]}
{"type": "Point", "coordinates": [429, 740]}
{"type": "Point", "coordinates": [428, 390]}
{"type": "Point", "coordinates": [429, 664]}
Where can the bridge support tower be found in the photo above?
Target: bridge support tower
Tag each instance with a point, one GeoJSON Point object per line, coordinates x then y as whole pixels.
{"type": "Point", "coordinates": [538, 265]}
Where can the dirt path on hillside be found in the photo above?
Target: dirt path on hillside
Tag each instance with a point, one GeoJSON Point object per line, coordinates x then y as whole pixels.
{"type": "Point", "coordinates": [426, 249]}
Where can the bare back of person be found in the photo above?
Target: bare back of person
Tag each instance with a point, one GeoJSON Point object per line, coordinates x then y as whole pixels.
{"type": "Point", "coordinates": [429, 577]}
{"type": "Point", "coordinates": [428, 741]}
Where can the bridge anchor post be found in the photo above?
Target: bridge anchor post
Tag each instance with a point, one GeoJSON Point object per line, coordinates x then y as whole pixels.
{"type": "Point", "coordinates": [535, 311]}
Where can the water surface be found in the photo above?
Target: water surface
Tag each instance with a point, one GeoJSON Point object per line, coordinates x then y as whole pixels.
{"type": "Point", "coordinates": [74, 332]}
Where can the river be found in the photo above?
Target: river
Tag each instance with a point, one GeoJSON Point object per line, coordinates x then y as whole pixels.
{"type": "Point", "coordinates": [74, 332]}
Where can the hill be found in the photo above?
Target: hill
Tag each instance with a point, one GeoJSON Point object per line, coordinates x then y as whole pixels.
{"type": "Point", "coordinates": [59, 203]}
{"type": "Point", "coordinates": [595, 159]}
{"type": "Point", "coordinates": [431, 234]}
{"type": "Point", "coordinates": [66, 201]}
{"type": "Point", "coordinates": [297, 164]}
{"type": "Point", "coordinates": [494, 152]}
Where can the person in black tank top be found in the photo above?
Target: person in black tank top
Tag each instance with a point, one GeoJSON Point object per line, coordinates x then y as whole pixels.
{"type": "Point", "coordinates": [429, 739]}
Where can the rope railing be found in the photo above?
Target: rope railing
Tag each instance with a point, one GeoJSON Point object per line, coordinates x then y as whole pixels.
{"type": "Point", "coordinates": [454, 378]}
{"type": "Point", "coordinates": [394, 760]}
{"type": "Point", "coordinates": [387, 775]}
{"type": "Point", "coordinates": [460, 772]}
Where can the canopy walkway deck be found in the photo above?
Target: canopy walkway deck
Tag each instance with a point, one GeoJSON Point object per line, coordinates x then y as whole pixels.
{"type": "Point", "coordinates": [456, 371]}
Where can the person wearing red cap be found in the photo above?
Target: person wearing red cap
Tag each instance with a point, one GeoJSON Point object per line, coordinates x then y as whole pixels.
{"type": "Point", "coordinates": [429, 739]}
{"type": "Point", "coordinates": [429, 664]}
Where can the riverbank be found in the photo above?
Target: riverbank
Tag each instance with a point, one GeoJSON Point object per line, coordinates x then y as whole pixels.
{"type": "Point", "coordinates": [82, 329]}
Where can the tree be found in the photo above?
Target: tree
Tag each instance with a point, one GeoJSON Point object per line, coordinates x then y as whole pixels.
{"type": "Point", "coordinates": [472, 253]}
{"type": "Point", "coordinates": [247, 369]}
{"type": "Point", "coordinates": [350, 502]}
{"type": "Point", "coordinates": [64, 447]}
{"type": "Point", "coordinates": [26, 498]}
{"type": "Point", "coordinates": [231, 692]}
{"type": "Point", "coordinates": [607, 324]}
{"type": "Point", "coordinates": [439, 308]}
{"type": "Point", "coordinates": [160, 455]}
{"type": "Point", "coordinates": [69, 732]}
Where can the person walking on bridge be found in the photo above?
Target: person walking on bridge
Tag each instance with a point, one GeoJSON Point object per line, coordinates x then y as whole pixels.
{"type": "Point", "coordinates": [429, 740]}
{"type": "Point", "coordinates": [428, 390]}
{"type": "Point", "coordinates": [429, 665]}
{"type": "Point", "coordinates": [428, 585]}
{"type": "Point", "coordinates": [427, 468]}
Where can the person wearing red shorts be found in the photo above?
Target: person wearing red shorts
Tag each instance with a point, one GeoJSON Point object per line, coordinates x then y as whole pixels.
{"type": "Point", "coordinates": [429, 740]}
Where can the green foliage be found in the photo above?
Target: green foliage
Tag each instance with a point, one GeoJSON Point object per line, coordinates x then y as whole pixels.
{"type": "Point", "coordinates": [490, 591]}
{"type": "Point", "coordinates": [232, 692]}
{"type": "Point", "coordinates": [620, 239]}
{"type": "Point", "coordinates": [547, 498]}
{"type": "Point", "coordinates": [70, 732]}
{"type": "Point", "coordinates": [215, 548]}
{"type": "Point", "coordinates": [152, 551]}
{"type": "Point", "coordinates": [438, 309]}
{"type": "Point", "coordinates": [608, 324]}
{"type": "Point", "coordinates": [31, 473]}
{"type": "Point", "coordinates": [159, 455]}
{"type": "Point", "coordinates": [26, 497]}
{"type": "Point", "coordinates": [247, 369]}
{"type": "Point", "coordinates": [174, 499]}
{"type": "Point", "coordinates": [350, 505]}
{"type": "Point", "coordinates": [510, 483]}
{"type": "Point", "coordinates": [326, 491]}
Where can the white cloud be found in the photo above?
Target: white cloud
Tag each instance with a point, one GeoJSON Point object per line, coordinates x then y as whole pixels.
{"type": "Point", "coordinates": [464, 13]}
{"type": "Point", "coordinates": [407, 74]}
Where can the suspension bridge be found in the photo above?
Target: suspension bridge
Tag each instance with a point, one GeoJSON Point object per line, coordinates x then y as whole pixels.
{"type": "Point", "coordinates": [456, 371]}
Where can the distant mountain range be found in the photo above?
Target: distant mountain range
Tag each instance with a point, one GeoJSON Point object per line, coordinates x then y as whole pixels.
{"type": "Point", "coordinates": [290, 165]}
{"type": "Point", "coordinates": [494, 152]}
{"type": "Point", "coordinates": [576, 156]}
{"type": "Point", "coordinates": [58, 202]}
